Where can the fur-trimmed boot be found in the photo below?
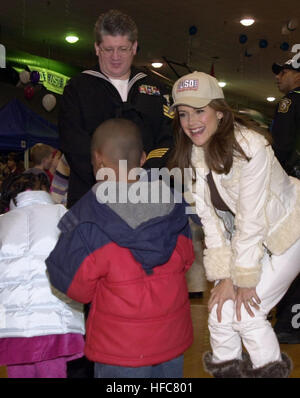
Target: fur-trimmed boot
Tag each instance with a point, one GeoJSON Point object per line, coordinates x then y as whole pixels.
{"type": "Point", "coordinates": [276, 369]}
{"type": "Point", "coordinates": [226, 369]}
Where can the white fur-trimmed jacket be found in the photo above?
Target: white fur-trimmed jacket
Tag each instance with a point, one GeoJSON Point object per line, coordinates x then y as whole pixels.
{"type": "Point", "coordinates": [266, 204]}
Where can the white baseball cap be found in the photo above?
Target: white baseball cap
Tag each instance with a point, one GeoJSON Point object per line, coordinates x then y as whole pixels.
{"type": "Point", "coordinates": [196, 89]}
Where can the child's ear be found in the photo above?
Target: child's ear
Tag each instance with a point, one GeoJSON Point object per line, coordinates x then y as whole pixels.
{"type": "Point", "coordinates": [97, 160]}
{"type": "Point", "coordinates": [143, 158]}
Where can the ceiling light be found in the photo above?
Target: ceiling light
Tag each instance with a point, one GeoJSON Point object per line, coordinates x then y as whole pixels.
{"type": "Point", "coordinates": [157, 64]}
{"type": "Point", "coordinates": [271, 99]}
{"type": "Point", "coordinates": [247, 21]}
{"type": "Point", "coordinates": [222, 84]}
{"type": "Point", "coordinates": [71, 39]}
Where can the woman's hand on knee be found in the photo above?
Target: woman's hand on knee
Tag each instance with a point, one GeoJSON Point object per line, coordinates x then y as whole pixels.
{"type": "Point", "coordinates": [222, 292]}
{"type": "Point", "coordinates": [248, 297]}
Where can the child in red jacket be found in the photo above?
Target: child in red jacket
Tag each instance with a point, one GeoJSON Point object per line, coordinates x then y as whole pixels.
{"type": "Point", "coordinates": [127, 255]}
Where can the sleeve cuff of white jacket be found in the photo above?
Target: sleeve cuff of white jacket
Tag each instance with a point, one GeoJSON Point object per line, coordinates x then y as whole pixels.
{"type": "Point", "coordinates": [217, 262]}
{"type": "Point", "coordinates": [243, 277]}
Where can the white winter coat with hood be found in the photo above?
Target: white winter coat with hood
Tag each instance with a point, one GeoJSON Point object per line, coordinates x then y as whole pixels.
{"type": "Point", "coordinates": [29, 306]}
{"type": "Point", "coordinates": [266, 205]}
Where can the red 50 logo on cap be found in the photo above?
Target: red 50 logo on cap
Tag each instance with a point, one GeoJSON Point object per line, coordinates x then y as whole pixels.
{"type": "Point", "coordinates": [188, 84]}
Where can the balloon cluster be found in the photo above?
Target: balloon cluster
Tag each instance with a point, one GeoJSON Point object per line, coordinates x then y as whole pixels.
{"type": "Point", "coordinates": [287, 28]}
{"type": "Point", "coordinates": [30, 80]}
{"type": "Point", "coordinates": [262, 43]}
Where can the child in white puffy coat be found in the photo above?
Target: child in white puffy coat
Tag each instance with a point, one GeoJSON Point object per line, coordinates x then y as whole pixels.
{"type": "Point", "coordinates": [40, 328]}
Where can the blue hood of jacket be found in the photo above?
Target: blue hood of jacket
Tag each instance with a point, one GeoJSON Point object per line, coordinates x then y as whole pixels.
{"type": "Point", "coordinates": [152, 242]}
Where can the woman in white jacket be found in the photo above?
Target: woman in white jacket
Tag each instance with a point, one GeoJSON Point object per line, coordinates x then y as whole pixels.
{"type": "Point", "coordinates": [40, 328]}
{"type": "Point", "coordinates": [250, 211]}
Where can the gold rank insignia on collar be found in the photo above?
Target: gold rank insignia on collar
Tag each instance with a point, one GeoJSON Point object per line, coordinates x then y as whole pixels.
{"type": "Point", "coordinates": [157, 153]}
{"type": "Point", "coordinates": [167, 112]}
{"type": "Point", "coordinates": [284, 105]}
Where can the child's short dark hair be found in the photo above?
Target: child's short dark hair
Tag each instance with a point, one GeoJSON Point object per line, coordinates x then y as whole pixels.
{"type": "Point", "coordinates": [13, 185]}
{"type": "Point", "coordinates": [124, 139]}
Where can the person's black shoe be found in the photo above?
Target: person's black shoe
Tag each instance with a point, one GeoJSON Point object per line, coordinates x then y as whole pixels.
{"type": "Point", "coordinates": [80, 368]}
{"type": "Point", "coordinates": [288, 337]}
{"type": "Point", "coordinates": [195, 295]}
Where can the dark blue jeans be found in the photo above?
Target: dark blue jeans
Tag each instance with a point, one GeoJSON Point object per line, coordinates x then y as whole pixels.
{"type": "Point", "coordinates": [169, 369]}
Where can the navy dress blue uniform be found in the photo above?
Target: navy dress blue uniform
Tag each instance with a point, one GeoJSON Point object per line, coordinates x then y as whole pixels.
{"type": "Point", "coordinates": [286, 144]}
{"type": "Point", "coordinates": [89, 99]}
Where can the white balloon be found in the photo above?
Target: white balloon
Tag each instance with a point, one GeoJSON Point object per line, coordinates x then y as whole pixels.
{"type": "Point", "coordinates": [49, 102]}
{"type": "Point", "coordinates": [24, 76]}
{"type": "Point", "coordinates": [292, 24]}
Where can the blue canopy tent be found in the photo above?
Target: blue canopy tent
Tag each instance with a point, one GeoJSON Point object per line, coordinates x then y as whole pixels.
{"type": "Point", "coordinates": [21, 128]}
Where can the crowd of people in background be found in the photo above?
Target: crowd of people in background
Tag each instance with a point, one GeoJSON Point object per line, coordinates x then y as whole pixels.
{"type": "Point", "coordinates": [43, 159]}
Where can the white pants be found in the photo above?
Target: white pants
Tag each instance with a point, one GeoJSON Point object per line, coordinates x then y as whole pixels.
{"type": "Point", "coordinates": [256, 334]}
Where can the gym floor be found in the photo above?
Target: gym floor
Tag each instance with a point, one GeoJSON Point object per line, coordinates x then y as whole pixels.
{"type": "Point", "coordinates": [193, 367]}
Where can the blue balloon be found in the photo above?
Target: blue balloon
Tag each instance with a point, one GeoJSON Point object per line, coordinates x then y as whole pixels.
{"type": "Point", "coordinates": [34, 76]}
{"type": "Point", "coordinates": [193, 30]}
{"type": "Point", "coordinates": [243, 39]}
{"type": "Point", "coordinates": [284, 46]}
{"type": "Point", "coordinates": [263, 43]}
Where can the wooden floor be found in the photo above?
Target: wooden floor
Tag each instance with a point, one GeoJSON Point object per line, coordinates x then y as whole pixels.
{"type": "Point", "coordinates": [193, 357]}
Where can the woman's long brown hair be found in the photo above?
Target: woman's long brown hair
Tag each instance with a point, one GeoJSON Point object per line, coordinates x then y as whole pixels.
{"type": "Point", "coordinates": [222, 146]}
